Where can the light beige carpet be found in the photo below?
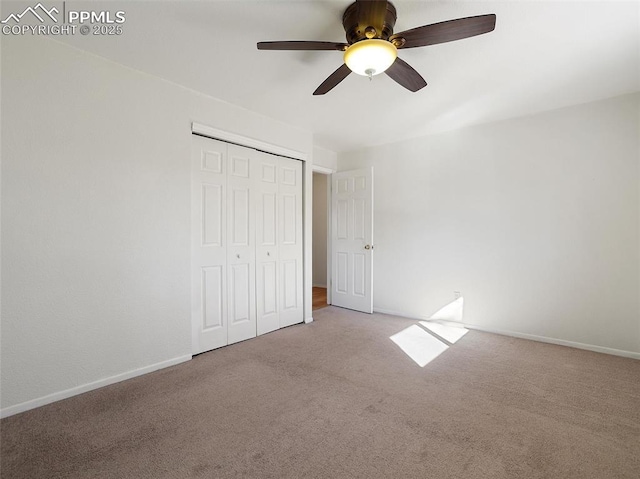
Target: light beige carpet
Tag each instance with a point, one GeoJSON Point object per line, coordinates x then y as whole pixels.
{"type": "Point", "coordinates": [338, 399]}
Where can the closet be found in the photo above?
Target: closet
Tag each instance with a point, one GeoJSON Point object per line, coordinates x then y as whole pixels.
{"type": "Point", "coordinates": [246, 243]}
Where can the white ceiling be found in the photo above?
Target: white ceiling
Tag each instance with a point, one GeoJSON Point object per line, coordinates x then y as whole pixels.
{"type": "Point", "coordinates": [541, 56]}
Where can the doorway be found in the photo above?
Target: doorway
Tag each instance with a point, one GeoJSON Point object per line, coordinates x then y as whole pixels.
{"type": "Point", "coordinates": [320, 239]}
{"type": "Point", "coordinates": [342, 238]}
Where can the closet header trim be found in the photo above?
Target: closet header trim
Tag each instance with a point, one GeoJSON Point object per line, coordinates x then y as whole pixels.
{"type": "Point", "coordinates": [216, 134]}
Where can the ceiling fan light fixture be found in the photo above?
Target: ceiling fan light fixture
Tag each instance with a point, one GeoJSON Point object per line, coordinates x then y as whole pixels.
{"type": "Point", "coordinates": [370, 57]}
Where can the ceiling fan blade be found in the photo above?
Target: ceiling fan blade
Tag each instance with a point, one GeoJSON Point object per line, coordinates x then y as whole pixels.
{"type": "Point", "coordinates": [404, 74]}
{"type": "Point", "coordinates": [446, 31]}
{"type": "Point", "coordinates": [301, 45]}
{"type": "Point", "coordinates": [335, 78]}
{"type": "Point", "coordinates": [371, 13]}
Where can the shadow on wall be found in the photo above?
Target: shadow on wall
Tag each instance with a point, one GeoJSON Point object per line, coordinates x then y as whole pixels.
{"type": "Point", "coordinates": [426, 340]}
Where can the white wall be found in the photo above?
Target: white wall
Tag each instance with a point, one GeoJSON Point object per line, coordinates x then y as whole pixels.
{"type": "Point", "coordinates": [325, 158]}
{"type": "Point", "coordinates": [95, 218]}
{"type": "Point", "coordinates": [535, 220]}
{"type": "Point", "coordinates": [320, 229]}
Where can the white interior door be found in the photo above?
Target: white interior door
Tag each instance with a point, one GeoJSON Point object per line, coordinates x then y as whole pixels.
{"type": "Point", "coordinates": [352, 240]}
{"type": "Point", "coordinates": [290, 244]}
{"type": "Point", "coordinates": [208, 244]}
{"type": "Point", "coordinates": [241, 255]}
{"type": "Point", "coordinates": [267, 271]}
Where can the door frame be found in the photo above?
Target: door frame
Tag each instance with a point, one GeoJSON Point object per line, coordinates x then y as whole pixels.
{"type": "Point", "coordinates": [323, 170]}
{"type": "Point", "coordinates": [307, 200]}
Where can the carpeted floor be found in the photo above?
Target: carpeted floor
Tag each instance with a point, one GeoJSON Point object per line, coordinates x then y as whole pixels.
{"type": "Point", "coordinates": [338, 399]}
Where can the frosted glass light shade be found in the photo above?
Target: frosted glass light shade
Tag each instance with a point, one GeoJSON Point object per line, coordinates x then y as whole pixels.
{"type": "Point", "coordinates": [370, 57]}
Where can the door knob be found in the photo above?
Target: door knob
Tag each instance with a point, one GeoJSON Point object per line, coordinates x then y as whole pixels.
{"type": "Point", "coordinates": [367, 247]}
{"type": "Point", "coordinates": [268, 254]}
{"type": "Point", "coordinates": [238, 256]}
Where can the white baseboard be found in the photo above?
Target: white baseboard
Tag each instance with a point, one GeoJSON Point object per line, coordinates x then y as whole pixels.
{"type": "Point", "coordinates": [532, 337]}
{"type": "Point", "coordinates": [560, 342]}
{"type": "Point", "coordinates": [34, 403]}
{"type": "Point", "coordinates": [308, 320]}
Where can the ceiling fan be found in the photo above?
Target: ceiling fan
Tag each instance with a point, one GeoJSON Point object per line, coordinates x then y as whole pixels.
{"type": "Point", "coordinates": [372, 47]}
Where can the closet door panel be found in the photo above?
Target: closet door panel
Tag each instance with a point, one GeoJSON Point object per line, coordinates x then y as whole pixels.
{"type": "Point", "coordinates": [208, 244]}
{"type": "Point", "coordinates": [239, 290]}
{"type": "Point", "coordinates": [267, 274]}
{"type": "Point", "coordinates": [241, 316]}
{"type": "Point", "coordinates": [239, 215]}
{"type": "Point", "coordinates": [290, 244]}
{"type": "Point", "coordinates": [289, 284]}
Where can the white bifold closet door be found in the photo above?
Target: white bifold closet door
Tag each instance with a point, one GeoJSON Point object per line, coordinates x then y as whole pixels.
{"type": "Point", "coordinates": [268, 303]}
{"type": "Point", "coordinates": [246, 243]}
{"type": "Point", "coordinates": [241, 253]}
{"type": "Point", "coordinates": [279, 242]}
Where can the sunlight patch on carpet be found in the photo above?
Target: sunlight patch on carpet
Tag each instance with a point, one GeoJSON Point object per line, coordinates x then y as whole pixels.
{"type": "Point", "coordinates": [419, 345]}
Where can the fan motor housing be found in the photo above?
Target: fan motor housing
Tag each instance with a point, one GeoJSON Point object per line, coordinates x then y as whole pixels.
{"type": "Point", "coordinates": [356, 31]}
